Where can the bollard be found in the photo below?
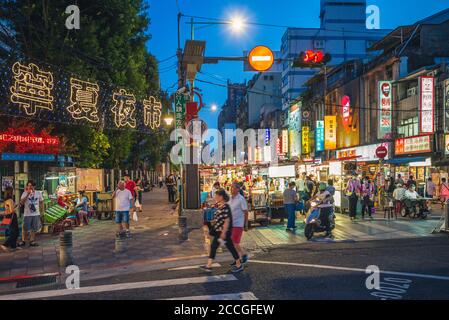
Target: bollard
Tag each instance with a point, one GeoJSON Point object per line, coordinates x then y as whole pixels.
{"type": "Point", "coordinates": [120, 243]}
{"type": "Point", "coordinates": [183, 232]}
{"type": "Point", "coordinates": [65, 249]}
{"type": "Point", "coordinates": [446, 218]}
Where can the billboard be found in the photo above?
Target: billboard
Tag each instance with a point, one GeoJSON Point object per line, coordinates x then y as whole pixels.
{"type": "Point", "coordinates": [446, 105]}
{"type": "Point", "coordinates": [347, 123]}
{"type": "Point", "coordinates": [319, 136]}
{"type": "Point", "coordinates": [426, 109]}
{"type": "Point", "coordinates": [385, 109]}
{"type": "Point", "coordinates": [330, 132]}
{"type": "Point", "coordinates": [413, 145]}
{"type": "Point", "coordinates": [294, 125]}
{"type": "Point", "coordinates": [305, 140]}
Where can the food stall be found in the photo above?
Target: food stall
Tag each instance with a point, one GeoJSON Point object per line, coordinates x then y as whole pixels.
{"type": "Point", "coordinates": [278, 179]}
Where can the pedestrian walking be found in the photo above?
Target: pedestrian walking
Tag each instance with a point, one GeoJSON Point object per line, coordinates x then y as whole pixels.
{"type": "Point", "coordinates": [352, 192]}
{"type": "Point", "coordinates": [239, 210]}
{"type": "Point", "coordinates": [290, 200]}
{"type": "Point", "coordinates": [444, 191]}
{"type": "Point", "coordinates": [124, 202]}
{"type": "Point", "coordinates": [31, 200]}
{"type": "Point", "coordinates": [367, 192]}
{"type": "Point", "coordinates": [160, 182]}
{"type": "Point", "coordinates": [300, 188]}
{"type": "Point", "coordinates": [411, 181]}
{"type": "Point", "coordinates": [171, 188]}
{"type": "Point", "coordinates": [10, 219]}
{"type": "Point", "coordinates": [139, 194]}
{"type": "Point", "coordinates": [130, 185]}
{"type": "Point", "coordinates": [221, 231]}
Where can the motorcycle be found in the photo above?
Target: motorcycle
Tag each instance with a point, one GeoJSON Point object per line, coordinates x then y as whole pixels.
{"type": "Point", "coordinates": [415, 209]}
{"type": "Point", "coordinates": [313, 221]}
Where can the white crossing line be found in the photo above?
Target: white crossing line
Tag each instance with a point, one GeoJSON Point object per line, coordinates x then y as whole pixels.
{"type": "Point", "coordinates": [117, 287]}
{"type": "Point", "coordinates": [214, 265]}
{"type": "Point", "coordinates": [226, 296]}
{"type": "Point", "coordinates": [390, 231]}
{"type": "Point", "coordinates": [318, 266]}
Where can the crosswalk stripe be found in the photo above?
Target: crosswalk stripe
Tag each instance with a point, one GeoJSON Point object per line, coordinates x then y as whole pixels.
{"type": "Point", "coordinates": [226, 296]}
{"type": "Point", "coordinates": [391, 230]}
{"type": "Point", "coordinates": [214, 265]}
{"type": "Point", "coordinates": [118, 287]}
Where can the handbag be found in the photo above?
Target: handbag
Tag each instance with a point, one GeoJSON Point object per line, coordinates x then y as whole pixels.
{"type": "Point", "coordinates": [7, 220]}
{"type": "Point", "coordinates": [135, 216]}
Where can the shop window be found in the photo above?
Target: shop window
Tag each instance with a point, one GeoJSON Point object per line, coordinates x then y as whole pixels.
{"type": "Point", "coordinates": [409, 127]}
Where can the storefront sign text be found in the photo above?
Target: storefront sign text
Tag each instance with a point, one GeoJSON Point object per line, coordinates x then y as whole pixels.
{"type": "Point", "coordinates": [426, 86]}
{"type": "Point", "coordinates": [411, 145]}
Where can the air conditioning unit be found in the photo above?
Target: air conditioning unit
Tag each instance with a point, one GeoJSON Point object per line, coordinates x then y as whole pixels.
{"type": "Point", "coordinates": [411, 92]}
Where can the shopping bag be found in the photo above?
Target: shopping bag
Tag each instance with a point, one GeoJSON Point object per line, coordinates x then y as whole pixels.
{"type": "Point", "coordinates": [135, 217]}
{"type": "Point", "coordinates": [137, 204]}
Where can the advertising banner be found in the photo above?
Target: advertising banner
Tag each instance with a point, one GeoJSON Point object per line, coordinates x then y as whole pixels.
{"type": "Point", "coordinates": [426, 110]}
{"type": "Point", "coordinates": [305, 140]}
{"type": "Point", "coordinates": [330, 132]}
{"type": "Point", "coordinates": [413, 145]}
{"type": "Point", "coordinates": [446, 106]}
{"type": "Point", "coordinates": [385, 109]}
{"type": "Point", "coordinates": [319, 138]}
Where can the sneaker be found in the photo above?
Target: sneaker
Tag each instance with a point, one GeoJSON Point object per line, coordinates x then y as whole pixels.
{"type": "Point", "coordinates": [245, 259]}
{"type": "Point", "coordinates": [128, 234]}
{"type": "Point", "coordinates": [206, 268]}
{"type": "Point", "coordinates": [233, 264]}
{"type": "Point", "coordinates": [237, 269]}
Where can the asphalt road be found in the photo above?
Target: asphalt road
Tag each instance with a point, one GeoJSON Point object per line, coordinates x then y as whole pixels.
{"type": "Point", "coordinates": [409, 269]}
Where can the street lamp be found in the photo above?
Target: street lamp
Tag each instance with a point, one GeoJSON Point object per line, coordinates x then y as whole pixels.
{"type": "Point", "coordinates": [168, 120]}
{"type": "Point", "coordinates": [237, 24]}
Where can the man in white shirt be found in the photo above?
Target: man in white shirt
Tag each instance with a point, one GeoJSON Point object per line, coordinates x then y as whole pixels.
{"type": "Point", "coordinates": [31, 200]}
{"type": "Point", "coordinates": [123, 203]}
{"type": "Point", "coordinates": [239, 210]}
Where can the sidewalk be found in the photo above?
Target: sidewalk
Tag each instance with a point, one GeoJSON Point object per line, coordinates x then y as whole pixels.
{"type": "Point", "coordinates": [154, 238]}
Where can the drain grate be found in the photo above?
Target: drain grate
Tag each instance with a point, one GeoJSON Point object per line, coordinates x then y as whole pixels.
{"type": "Point", "coordinates": [35, 281]}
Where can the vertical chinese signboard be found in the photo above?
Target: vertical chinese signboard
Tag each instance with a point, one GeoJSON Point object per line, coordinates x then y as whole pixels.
{"type": "Point", "coordinates": [319, 136]}
{"type": "Point", "coordinates": [285, 143]}
{"type": "Point", "coordinates": [426, 110]}
{"type": "Point", "coordinates": [385, 109]}
{"type": "Point", "coordinates": [305, 140]}
{"type": "Point", "coordinates": [446, 106]}
{"type": "Point", "coordinates": [330, 132]}
{"type": "Point", "coordinates": [180, 110]}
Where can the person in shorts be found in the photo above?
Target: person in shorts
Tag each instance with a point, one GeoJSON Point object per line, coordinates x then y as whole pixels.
{"type": "Point", "coordinates": [239, 210]}
{"type": "Point", "coordinates": [124, 201]}
{"type": "Point", "coordinates": [31, 200]}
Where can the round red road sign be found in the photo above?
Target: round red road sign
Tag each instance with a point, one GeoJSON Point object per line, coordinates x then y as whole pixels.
{"type": "Point", "coordinates": [381, 152]}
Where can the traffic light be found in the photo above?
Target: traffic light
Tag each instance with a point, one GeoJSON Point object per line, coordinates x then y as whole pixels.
{"type": "Point", "coordinates": [311, 59]}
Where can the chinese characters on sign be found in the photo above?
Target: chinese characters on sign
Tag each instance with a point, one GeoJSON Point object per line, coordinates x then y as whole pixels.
{"type": "Point", "coordinates": [305, 140]}
{"type": "Point", "coordinates": [319, 136]}
{"type": "Point", "coordinates": [31, 139]}
{"type": "Point", "coordinates": [83, 99]}
{"type": "Point", "coordinates": [152, 111]}
{"type": "Point", "coordinates": [32, 88]}
{"type": "Point", "coordinates": [330, 132]}
{"type": "Point", "coordinates": [446, 106]}
{"type": "Point", "coordinates": [285, 143]}
{"type": "Point", "coordinates": [411, 145]}
{"type": "Point", "coordinates": [180, 110]}
{"type": "Point", "coordinates": [426, 87]}
{"type": "Point", "coordinates": [385, 109]}
{"type": "Point", "coordinates": [124, 109]}
{"type": "Point", "coordinates": [35, 91]}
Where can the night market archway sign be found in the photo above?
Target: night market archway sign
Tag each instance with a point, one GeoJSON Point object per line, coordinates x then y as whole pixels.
{"type": "Point", "coordinates": [46, 93]}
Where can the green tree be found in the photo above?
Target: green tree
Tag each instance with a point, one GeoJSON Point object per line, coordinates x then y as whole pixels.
{"type": "Point", "coordinates": [110, 46]}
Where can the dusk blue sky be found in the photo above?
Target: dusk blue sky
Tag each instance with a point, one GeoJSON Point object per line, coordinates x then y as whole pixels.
{"type": "Point", "coordinates": [222, 42]}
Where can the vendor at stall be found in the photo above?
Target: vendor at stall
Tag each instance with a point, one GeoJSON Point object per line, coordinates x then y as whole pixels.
{"type": "Point", "coordinates": [81, 208]}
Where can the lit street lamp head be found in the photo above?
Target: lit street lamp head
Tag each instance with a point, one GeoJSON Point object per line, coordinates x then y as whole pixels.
{"type": "Point", "coordinates": [237, 24]}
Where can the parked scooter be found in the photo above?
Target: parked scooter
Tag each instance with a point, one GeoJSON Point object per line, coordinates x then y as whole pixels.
{"type": "Point", "coordinates": [415, 209]}
{"type": "Point", "coordinates": [313, 221]}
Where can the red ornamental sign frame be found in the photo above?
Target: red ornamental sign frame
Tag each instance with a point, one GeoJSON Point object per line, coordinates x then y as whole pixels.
{"type": "Point", "coordinates": [426, 104]}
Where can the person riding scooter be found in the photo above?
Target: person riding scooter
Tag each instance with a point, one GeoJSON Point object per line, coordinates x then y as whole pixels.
{"type": "Point", "coordinates": [324, 199]}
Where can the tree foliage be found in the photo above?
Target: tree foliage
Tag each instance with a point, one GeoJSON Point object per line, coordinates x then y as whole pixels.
{"type": "Point", "coordinates": [110, 46]}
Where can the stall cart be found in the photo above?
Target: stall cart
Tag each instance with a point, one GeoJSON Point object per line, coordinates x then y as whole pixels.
{"type": "Point", "coordinates": [104, 205]}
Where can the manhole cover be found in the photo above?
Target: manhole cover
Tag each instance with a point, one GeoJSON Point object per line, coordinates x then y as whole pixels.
{"type": "Point", "coordinates": [35, 281]}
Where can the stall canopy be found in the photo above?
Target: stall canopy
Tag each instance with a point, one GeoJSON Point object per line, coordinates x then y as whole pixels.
{"type": "Point", "coordinates": [406, 160]}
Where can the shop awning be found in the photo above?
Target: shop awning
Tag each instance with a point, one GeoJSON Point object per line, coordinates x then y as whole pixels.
{"type": "Point", "coordinates": [406, 160]}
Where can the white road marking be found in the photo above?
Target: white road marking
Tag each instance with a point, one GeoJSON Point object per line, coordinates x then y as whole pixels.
{"type": "Point", "coordinates": [214, 265]}
{"type": "Point", "coordinates": [118, 287]}
{"type": "Point", "coordinates": [226, 296]}
{"type": "Point", "coordinates": [318, 266]}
